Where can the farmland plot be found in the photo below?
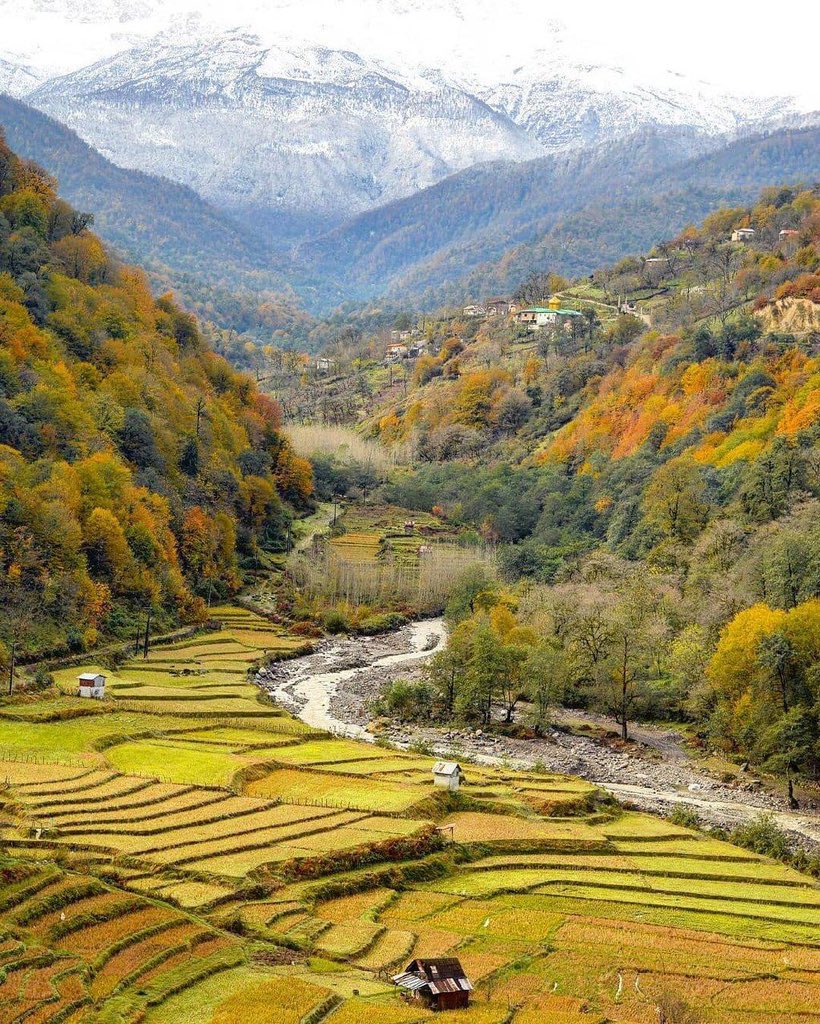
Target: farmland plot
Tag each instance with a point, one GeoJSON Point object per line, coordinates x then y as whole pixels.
{"type": "Point", "coordinates": [126, 897]}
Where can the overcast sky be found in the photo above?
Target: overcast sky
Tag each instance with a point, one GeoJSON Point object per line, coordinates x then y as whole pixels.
{"type": "Point", "coordinates": [740, 47]}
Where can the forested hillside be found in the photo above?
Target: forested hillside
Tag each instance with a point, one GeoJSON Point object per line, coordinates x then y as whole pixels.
{"type": "Point", "coordinates": [652, 476]}
{"type": "Point", "coordinates": [139, 473]}
{"type": "Point", "coordinates": [222, 272]}
{"type": "Point", "coordinates": [481, 231]}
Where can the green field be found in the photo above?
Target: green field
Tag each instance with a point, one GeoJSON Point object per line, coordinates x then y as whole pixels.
{"type": "Point", "coordinates": [227, 862]}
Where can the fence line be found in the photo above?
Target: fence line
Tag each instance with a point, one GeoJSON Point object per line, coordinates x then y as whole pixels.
{"type": "Point", "coordinates": [35, 757]}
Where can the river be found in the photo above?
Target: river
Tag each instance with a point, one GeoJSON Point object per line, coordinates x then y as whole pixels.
{"type": "Point", "coordinates": [315, 686]}
{"type": "Point", "coordinates": [334, 688]}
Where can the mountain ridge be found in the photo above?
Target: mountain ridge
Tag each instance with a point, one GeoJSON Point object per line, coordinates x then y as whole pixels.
{"type": "Point", "coordinates": [412, 247]}
{"type": "Point", "coordinates": [275, 118]}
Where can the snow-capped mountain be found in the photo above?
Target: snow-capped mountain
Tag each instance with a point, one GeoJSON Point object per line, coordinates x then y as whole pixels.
{"type": "Point", "coordinates": [325, 108]}
{"type": "Point", "coordinates": [566, 104]}
{"type": "Point", "coordinates": [303, 130]}
{"type": "Point", "coordinates": [16, 79]}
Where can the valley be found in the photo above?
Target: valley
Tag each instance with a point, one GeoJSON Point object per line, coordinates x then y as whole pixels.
{"type": "Point", "coordinates": [410, 569]}
{"type": "Point", "coordinates": [288, 176]}
{"type": "Point", "coordinates": [334, 688]}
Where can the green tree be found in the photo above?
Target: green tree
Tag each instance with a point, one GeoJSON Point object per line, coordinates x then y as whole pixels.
{"type": "Point", "coordinates": [189, 457]}
{"type": "Point", "coordinates": [446, 669]}
{"type": "Point", "coordinates": [485, 674]}
{"type": "Point", "coordinates": [474, 581]}
{"type": "Point", "coordinates": [546, 674]}
{"type": "Point", "coordinates": [675, 499]}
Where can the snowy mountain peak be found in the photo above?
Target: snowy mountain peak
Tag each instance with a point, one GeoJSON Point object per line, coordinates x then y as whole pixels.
{"type": "Point", "coordinates": [260, 107]}
{"type": "Point", "coordinates": [304, 129]}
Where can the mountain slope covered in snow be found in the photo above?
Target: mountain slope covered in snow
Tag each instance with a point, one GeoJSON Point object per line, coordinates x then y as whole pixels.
{"type": "Point", "coordinates": [293, 118]}
{"type": "Point", "coordinates": [264, 130]}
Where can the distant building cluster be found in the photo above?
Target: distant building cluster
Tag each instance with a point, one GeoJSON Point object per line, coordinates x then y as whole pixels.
{"type": "Point", "coordinates": [534, 317]}
{"type": "Point", "coordinates": [405, 345]}
{"type": "Point", "coordinates": [492, 307]}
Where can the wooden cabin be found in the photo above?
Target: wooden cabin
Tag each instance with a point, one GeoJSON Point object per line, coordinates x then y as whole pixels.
{"type": "Point", "coordinates": [440, 983]}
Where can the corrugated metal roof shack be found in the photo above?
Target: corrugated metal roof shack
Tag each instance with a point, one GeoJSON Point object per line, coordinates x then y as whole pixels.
{"type": "Point", "coordinates": [440, 983]}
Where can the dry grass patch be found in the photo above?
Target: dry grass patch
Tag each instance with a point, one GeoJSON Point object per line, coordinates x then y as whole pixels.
{"type": "Point", "coordinates": [393, 947]}
{"type": "Point", "coordinates": [238, 865]}
{"type": "Point", "coordinates": [277, 1001]}
{"type": "Point", "coordinates": [161, 802]}
{"type": "Point", "coordinates": [368, 1011]}
{"type": "Point", "coordinates": [301, 833]}
{"type": "Point", "coordinates": [193, 894]}
{"type": "Point", "coordinates": [348, 939]}
{"type": "Point", "coordinates": [139, 954]}
{"type": "Point", "coordinates": [432, 942]}
{"type": "Point", "coordinates": [362, 794]}
{"type": "Point", "coordinates": [477, 827]}
{"type": "Point", "coordinates": [499, 919]}
{"type": "Point", "coordinates": [359, 904]}
{"type": "Point", "coordinates": [25, 774]}
{"type": "Point", "coordinates": [414, 905]}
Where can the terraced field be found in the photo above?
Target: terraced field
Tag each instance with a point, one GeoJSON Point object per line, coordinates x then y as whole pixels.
{"type": "Point", "coordinates": [209, 865]}
{"type": "Point", "coordinates": [379, 533]}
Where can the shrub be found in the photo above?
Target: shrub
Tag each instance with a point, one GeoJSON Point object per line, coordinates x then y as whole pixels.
{"type": "Point", "coordinates": [407, 701]}
{"type": "Point", "coordinates": [429, 840]}
{"type": "Point", "coordinates": [685, 817]}
{"type": "Point", "coordinates": [335, 621]}
{"type": "Point", "coordinates": [761, 835]}
{"type": "Point", "coordinates": [383, 623]}
{"type": "Point", "coordinates": [307, 628]}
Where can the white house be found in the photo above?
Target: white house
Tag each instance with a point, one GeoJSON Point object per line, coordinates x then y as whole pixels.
{"type": "Point", "coordinates": [447, 775]}
{"type": "Point", "coordinates": [91, 684]}
{"type": "Point", "coordinates": [743, 234]}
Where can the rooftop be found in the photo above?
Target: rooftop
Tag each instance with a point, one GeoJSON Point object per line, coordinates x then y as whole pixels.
{"type": "Point", "coordinates": [444, 974]}
{"type": "Point", "coordinates": [547, 309]}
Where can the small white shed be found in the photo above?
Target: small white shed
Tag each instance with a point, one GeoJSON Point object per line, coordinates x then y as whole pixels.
{"type": "Point", "coordinates": [447, 775]}
{"type": "Point", "coordinates": [91, 684]}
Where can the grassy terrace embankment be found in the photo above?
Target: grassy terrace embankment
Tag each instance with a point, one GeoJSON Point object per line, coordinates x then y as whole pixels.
{"type": "Point", "coordinates": [185, 850]}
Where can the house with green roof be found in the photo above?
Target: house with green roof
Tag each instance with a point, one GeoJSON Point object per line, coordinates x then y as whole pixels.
{"type": "Point", "coordinates": [537, 317]}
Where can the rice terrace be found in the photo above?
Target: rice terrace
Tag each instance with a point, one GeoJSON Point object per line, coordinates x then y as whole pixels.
{"type": "Point", "coordinates": [185, 850]}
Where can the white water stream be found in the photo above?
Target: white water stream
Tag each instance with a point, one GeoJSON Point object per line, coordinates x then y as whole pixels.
{"type": "Point", "coordinates": [312, 692]}
{"type": "Point", "coordinates": [308, 685]}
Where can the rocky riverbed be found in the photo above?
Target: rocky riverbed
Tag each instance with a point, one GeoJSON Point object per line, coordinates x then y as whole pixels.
{"type": "Point", "coordinates": [334, 689]}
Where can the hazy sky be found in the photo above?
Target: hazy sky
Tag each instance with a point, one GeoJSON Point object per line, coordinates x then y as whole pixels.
{"type": "Point", "coordinates": [740, 47]}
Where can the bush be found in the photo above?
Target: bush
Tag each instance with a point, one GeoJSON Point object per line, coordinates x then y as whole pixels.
{"type": "Point", "coordinates": [685, 817]}
{"type": "Point", "coordinates": [335, 621]}
{"type": "Point", "coordinates": [306, 628]}
{"type": "Point", "coordinates": [43, 678]}
{"type": "Point", "coordinates": [381, 623]}
{"type": "Point", "coordinates": [428, 840]}
{"type": "Point", "coordinates": [407, 701]}
{"type": "Point", "coordinates": [761, 835]}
